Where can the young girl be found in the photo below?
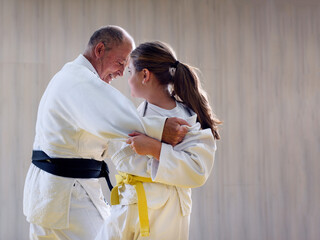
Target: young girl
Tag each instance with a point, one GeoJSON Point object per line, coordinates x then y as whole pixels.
{"type": "Point", "coordinates": [153, 193]}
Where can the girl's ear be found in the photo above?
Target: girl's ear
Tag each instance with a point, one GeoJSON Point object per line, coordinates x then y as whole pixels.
{"type": "Point", "coordinates": [146, 76]}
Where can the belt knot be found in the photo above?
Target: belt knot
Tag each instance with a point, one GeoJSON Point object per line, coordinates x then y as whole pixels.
{"type": "Point", "coordinates": [137, 182]}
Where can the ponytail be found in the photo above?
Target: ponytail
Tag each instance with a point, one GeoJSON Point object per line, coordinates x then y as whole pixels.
{"type": "Point", "coordinates": [187, 88]}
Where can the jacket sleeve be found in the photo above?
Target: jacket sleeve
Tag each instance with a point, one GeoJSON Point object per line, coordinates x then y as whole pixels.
{"type": "Point", "coordinates": [103, 111]}
{"type": "Point", "coordinates": [188, 164]}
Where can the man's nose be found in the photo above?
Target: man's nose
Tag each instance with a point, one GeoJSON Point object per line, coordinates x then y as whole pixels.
{"type": "Point", "coordinates": [120, 73]}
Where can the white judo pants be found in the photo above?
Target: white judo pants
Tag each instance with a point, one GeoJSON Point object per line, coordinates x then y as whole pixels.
{"type": "Point", "coordinates": [166, 222]}
{"type": "Point", "coordinates": [84, 220]}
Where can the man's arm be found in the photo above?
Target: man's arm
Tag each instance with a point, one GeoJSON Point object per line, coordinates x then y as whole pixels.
{"type": "Point", "coordinates": [105, 112]}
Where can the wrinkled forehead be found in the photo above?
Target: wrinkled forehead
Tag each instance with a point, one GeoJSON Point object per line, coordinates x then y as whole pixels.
{"type": "Point", "coordinates": [122, 51]}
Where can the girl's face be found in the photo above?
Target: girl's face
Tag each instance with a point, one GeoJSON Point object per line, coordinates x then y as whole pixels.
{"type": "Point", "coordinates": [135, 82]}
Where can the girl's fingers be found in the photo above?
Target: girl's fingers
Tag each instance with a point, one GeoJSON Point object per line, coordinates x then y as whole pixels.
{"type": "Point", "coordinates": [129, 141]}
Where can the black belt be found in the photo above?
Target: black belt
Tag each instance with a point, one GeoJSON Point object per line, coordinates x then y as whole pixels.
{"type": "Point", "coordinates": [72, 167]}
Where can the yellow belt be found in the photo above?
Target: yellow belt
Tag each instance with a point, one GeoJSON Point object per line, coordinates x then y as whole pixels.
{"type": "Point", "coordinates": [136, 181]}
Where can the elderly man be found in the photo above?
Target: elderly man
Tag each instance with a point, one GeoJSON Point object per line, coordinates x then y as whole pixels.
{"type": "Point", "coordinates": [78, 115]}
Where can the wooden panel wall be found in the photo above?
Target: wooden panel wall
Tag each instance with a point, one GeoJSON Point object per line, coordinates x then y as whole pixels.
{"type": "Point", "coordinates": [260, 66]}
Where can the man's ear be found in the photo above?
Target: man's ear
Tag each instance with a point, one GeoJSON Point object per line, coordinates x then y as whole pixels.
{"type": "Point", "coordinates": [99, 50]}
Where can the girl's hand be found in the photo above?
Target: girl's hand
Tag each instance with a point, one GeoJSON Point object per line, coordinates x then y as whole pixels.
{"type": "Point", "coordinates": [144, 145]}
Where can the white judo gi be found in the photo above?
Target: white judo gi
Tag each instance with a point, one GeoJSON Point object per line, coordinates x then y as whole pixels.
{"type": "Point", "coordinates": [180, 168]}
{"type": "Point", "coordinates": [77, 116]}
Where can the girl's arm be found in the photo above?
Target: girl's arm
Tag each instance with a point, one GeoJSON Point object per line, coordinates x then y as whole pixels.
{"type": "Point", "coordinates": [186, 165]}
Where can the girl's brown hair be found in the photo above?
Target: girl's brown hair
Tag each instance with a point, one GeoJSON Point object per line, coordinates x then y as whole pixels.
{"type": "Point", "coordinates": [159, 59]}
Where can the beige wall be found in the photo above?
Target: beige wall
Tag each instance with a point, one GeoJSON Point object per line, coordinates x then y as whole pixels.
{"type": "Point", "coordinates": [260, 65]}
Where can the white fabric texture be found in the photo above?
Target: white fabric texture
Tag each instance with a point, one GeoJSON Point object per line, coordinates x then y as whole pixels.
{"type": "Point", "coordinates": [78, 116]}
{"type": "Point", "coordinates": [85, 221]}
{"type": "Point", "coordinates": [180, 168]}
{"type": "Point", "coordinates": [166, 222]}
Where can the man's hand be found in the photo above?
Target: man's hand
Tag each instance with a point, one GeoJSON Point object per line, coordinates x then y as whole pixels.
{"type": "Point", "coordinates": [173, 131]}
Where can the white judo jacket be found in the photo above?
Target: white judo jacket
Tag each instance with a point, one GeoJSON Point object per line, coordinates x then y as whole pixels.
{"type": "Point", "coordinates": [77, 117]}
{"type": "Point", "coordinates": [185, 166]}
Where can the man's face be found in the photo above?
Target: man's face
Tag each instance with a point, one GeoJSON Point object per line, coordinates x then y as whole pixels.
{"type": "Point", "coordinates": [114, 61]}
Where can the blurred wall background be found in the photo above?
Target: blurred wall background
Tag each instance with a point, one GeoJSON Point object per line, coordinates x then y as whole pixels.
{"type": "Point", "coordinates": [260, 66]}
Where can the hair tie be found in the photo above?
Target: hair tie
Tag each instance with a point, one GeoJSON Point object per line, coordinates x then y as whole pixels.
{"type": "Point", "coordinates": [173, 68]}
